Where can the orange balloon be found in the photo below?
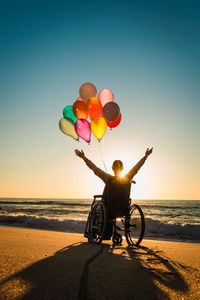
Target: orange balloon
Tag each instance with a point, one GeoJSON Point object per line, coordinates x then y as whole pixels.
{"type": "Point", "coordinates": [98, 127]}
{"type": "Point", "coordinates": [80, 110]}
{"type": "Point", "coordinates": [94, 107]}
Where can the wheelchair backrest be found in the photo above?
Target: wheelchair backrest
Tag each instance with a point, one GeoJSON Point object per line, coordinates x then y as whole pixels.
{"type": "Point", "coordinates": [117, 197]}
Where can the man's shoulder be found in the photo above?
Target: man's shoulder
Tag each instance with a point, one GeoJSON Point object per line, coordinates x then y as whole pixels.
{"type": "Point", "coordinates": [120, 180]}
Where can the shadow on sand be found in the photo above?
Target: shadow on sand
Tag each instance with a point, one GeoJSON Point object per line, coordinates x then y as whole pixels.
{"type": "Point", "coordinates": [87, 271]}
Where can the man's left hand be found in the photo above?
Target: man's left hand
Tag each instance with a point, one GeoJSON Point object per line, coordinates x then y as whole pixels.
{"type": "Point", "coordinates": [148, 151]}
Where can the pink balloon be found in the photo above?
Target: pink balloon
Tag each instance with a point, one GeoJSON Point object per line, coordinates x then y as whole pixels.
{"type": "Point", "coordinates": [79, 99]}
{"type": "Point", "coordinates": [101, 113]}
{"type": "Point", "coordinates": [83, 129]}
{"type": "Point", "coordinates": [105, 96]}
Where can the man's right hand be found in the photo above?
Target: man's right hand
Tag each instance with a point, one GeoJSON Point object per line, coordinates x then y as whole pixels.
{"type": "Point", "coordinates": [80, 153]}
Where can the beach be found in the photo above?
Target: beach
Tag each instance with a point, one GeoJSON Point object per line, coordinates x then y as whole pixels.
{"type": "Point", "coordinates": [39, 264]}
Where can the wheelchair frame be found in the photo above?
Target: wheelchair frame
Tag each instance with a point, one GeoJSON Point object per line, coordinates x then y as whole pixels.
{"type": "Point", "coordinates": [133, 224]}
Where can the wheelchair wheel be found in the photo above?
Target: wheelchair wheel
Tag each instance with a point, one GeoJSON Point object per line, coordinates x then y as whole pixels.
{"type": "Point", "coordinates": [97, 223]}
{"type": "Point", "coordinates": [134, 226]}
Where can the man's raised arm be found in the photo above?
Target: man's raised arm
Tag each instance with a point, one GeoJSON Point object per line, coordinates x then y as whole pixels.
{"type": "Point", "coordinates": [136, 168]}
{"type": "Point", "coordinates": [97, 171]}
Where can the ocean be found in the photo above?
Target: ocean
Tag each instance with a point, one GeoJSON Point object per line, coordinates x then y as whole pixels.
{"type": "Point", "coordinates": [177, 220]}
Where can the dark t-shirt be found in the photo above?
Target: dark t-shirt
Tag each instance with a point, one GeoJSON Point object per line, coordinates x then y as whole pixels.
{"type": "Point", "coordinates": [116, 194]}
{"type": "Point", "coordinates": [117, 190]}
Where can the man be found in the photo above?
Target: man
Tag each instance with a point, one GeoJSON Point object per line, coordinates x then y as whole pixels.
{"type": "Point", "coordinates": [117, 189]}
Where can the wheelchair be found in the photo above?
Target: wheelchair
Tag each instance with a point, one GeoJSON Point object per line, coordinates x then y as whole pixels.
{"type": "Point", "coordinates": [103, 225]}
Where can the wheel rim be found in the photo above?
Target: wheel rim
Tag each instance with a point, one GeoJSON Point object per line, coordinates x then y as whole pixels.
{"type": "Point", "coordinates": [135, 226]}
{"type": "Point", "coordinates": [97, 224]}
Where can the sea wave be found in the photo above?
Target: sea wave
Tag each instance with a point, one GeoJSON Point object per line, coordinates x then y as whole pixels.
{"type": "Point", "coordinates": [45, 211]}
{"type": "Point", "coordinates": [74, 226]}
{"type": "Point", "coordinates": [48, 202]}
{"type": "Point", "coordinates": [154, 228]}
{"type": "Point", "coordinates": [172, 230]}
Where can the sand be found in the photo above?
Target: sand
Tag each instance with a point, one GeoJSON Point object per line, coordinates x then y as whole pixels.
{"type": "Point", "coordinates": [36, 264]}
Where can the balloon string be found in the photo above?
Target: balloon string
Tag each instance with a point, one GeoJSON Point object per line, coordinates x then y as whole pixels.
{"type": "Point", "coordinates": [105, 167]}
{"type": "Point", "coordinates": [105, 147]}
{"type": "Point", "coordinates": [95, 150]}
{"type": "Point", "coordinates": [107, 140]}
{"type": "Point", "coordinates": [102, 156]}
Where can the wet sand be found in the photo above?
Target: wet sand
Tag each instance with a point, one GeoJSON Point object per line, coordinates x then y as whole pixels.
{"type": "Point", "coordinates": [36, 264]}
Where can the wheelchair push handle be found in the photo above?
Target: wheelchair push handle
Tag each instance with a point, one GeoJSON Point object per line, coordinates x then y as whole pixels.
{"type": "Point", "coordinates": [101, 196]}
{"type": "Point", "coordinates": [98, 196]}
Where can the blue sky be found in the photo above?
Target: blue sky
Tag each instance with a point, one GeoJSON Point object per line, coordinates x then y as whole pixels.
{"type": "Point", "coordinates": [146, 52]}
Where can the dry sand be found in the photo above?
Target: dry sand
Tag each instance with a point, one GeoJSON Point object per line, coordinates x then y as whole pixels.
{"type": "Point", "coordinates": [36, 264]}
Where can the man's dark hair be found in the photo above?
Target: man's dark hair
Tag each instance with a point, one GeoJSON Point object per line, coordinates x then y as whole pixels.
{"type": "Point", "coordinates": [117, 164]}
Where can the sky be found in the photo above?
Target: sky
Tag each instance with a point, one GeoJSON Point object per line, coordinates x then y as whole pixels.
{"type": "Point", "coordinates": [146, 52]}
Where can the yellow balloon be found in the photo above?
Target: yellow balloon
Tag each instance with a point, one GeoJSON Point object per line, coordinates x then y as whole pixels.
{"type": "Point", "coordinates": [67, 127]}
{"type": "Point", "coordinates": [98, 127]}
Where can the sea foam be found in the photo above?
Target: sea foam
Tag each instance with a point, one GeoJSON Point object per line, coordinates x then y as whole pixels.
{"type": "Point", "coordinates": [154, 228]}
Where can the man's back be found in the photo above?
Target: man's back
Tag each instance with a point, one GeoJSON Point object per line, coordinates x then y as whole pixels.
{"type": "Point", "coordinates": [116, 195]}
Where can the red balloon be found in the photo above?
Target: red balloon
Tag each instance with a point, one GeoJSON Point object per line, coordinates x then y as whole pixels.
{"type": "Point", "coordinates": [80, 109]}
{"type": "Point", "coordinates": [115, 123]}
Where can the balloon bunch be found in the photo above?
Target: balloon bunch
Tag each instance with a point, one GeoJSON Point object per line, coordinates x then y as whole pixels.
{"type": "Point", "coordinates": [102, 112]}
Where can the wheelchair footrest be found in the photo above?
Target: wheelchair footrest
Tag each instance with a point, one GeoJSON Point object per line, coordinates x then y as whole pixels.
{"type": "Point", "coordinates": [107, 238]}
{"type": "Point", "coordinates": [117, 238]}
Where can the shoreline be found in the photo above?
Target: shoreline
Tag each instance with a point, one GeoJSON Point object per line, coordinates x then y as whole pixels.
{"type": "Point", "coordinates": [71, 232]}
{"type": "Point", "coordinates": [42, 264]}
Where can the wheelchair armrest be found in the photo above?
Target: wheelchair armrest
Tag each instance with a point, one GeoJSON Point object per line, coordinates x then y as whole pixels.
{"type": "Point", "coordinates": [98, 196]}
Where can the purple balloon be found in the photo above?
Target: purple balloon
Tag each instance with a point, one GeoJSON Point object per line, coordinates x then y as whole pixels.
{"type": "Point", "coordinates": [83, 129]}
{"type": "Point", "coordinates": [111, 111]}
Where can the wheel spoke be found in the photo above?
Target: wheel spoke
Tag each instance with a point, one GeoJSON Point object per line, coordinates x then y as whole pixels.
{"type": "Point", "coordinates": [97, 223]}
{"type": "Point", "coordinates": [135, 226]}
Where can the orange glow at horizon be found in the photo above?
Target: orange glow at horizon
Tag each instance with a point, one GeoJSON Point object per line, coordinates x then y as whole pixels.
{"type": "Point", "coordinates": [70, 178]}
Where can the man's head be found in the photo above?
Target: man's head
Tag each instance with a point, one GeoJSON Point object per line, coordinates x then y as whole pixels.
{"type": "Point", "coordinates": [117, 167]}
